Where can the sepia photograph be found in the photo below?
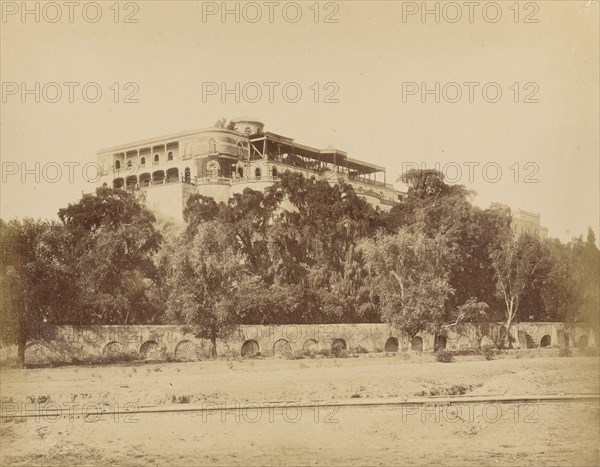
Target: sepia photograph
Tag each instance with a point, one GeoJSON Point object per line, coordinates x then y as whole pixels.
{"type": "Point", "coordinates": [299, 233]}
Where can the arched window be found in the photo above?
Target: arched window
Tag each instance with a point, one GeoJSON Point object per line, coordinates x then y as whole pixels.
{"type": "Point", "coordinates": [187, 175]}
{"type": "Point", "coordinates": [170, 156]}
{"type": "Point", "coordinates": [240, 150]}
{"type": "Point", "coordinates": [143, 161]}
{"type": "Point", "coordinates": [248, 131]}
{"type": "Point", "coordinates": [156, 158]}
{"type": "Point", "coordinates": [129, 163]}
{"type": "Point", "coordinates": [240, 172]}
{"type": "Point", "coordinates": [117, 165]}
{"type": "Point", "coordinates": [212, 146]}
{"type": "Point", "coordinates": [257, 173]}
{"type": "Point", "coordinates": [274, 172]}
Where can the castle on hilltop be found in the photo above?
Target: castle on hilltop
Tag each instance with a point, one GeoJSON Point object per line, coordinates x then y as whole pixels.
{"type": "Point", "coordinates": [220, 162]}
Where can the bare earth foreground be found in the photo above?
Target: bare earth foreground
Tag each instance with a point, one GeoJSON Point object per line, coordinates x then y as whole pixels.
{"type": "Point", "coordinates": [540, 433]}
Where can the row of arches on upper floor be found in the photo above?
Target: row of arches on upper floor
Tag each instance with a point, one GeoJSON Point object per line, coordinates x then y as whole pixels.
{"type": "Point", "coordinates": [172, 175]}
{"type": "Point", "coordinates": [158, 177]}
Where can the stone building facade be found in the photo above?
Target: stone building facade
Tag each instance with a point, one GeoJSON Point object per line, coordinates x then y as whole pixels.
{"type": "Point", "coordinates": [525, 222]}
{"type": "Point", "coordinates": [219, 162]}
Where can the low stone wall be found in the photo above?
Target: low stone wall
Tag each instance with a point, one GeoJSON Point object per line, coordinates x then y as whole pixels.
{"type": "Point", "coordinates": [73, 344]}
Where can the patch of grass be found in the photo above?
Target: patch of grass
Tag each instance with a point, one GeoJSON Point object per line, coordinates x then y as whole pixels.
{"type": "Point", "coordinates": [459, 389]}
{"type": "Point", "coordinates": [117, 358]}
{"type": "Point", "coordinates": [470, 351]}
{"type": "Point", "coordinates": [342, 353]}
{"type": "Point", "coordinates": [296, 356]}
{"type": "Point", "coordinates": [43, 399]}
{"type": "Point", "coordinates": [180, 399]}
{"type": "Point", "coordinates": [588, 352]}
{"type": "Point", "coordinates": [565, 352]}
{"type": "Point", "coordinates": [359, 349]}
{"type": "Point", "coordinates": [455, 390]}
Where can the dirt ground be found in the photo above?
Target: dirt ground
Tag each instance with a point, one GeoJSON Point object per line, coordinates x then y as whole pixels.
{"type": "Point", "coordinates": [545, 434]}
{"type": "Point", "coordinates": [297, 380]}
{"type": "Point", "coordinates": [325, 434]}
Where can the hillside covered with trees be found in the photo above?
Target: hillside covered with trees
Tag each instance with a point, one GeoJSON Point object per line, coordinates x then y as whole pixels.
{"type": "Point", "coordinates": [328, 257]}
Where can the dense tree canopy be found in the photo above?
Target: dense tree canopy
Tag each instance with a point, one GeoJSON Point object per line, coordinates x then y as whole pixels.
{"type": "Point", "coordinates": [305, 251]}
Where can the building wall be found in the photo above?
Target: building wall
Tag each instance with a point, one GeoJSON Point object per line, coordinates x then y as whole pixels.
{"type": "Point", "coordinates": [525, 222]}
{"type": "Point", "coordinates": [201, 151]}
{"type": "Point", "coordinates": [167, 199]}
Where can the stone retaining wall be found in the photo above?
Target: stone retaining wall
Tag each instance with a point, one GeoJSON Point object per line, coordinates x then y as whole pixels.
{"type": "Point", "coordinates": [73, 344]}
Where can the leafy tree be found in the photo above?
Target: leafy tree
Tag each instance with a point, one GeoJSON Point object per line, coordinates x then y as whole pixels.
{"type": "Point", "coordinates": [36, 280]}
{"type": "Point", "coordinates": [223, 123]}
{"type": "Point", "coordinates": [115, 240]}
{"type": "Point", "coordinates": [445, 213]}
{"type": "Point", "coordinates": [314, 243]}
{"type": "Point", "coordinates": [515, 263]}
{"type": "Point", "coordinates": [427, 184]}
{"type": "Point", "coordinates": [206, 273]}
{"type": "Point", "coordinates": [245, 218]}
{"type": "Point", "coordinates": [410, 279]}
{"type": "Point", "coordinates": [300, 239]}
{"type": "Point", "coordinates": [198, 209]}
{"type": "Point", "coordinates": [586, 276]}
{"type": "Point", "coordinates": [220, 123]}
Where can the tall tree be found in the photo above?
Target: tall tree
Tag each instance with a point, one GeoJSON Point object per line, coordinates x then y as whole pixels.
{"type": "Point", "coordinates": [314, 243]}
{"type": "Point", "coordinates": [586, 273]}
{"type": "Point", "coordinates": [445, 213]}
{"type": "Point", "coordinates": [37, 280]}
{"type": "Point", "coordinates": [206, 273]}
{"type": "Point", "coordinates": [515, 263]}
{"type": "Point", "coordinates": [411, 280]}
{"type": "Point", "coordinates": [115, 240]}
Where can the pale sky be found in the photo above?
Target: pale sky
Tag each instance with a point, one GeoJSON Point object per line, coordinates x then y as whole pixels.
{"type": "Point", "coordinates": [369, 53]}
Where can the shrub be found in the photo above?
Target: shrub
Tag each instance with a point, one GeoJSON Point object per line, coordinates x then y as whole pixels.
{"type": "Point", "coordinates": [298, 355]}
{"type": "Point", "coordinates": [180, 399]}
{"type": "Point", "coordinates": [456, 390]}
{"type": "Point", "coordinates": [459, 389]}
{"type": "Point", "coordinates": [444, 356]}
{"type": "Point", "coordinates": [342, 353]}
{"type": "Point", "coordinates": [325, 352]}
{"type": "Point", "coordinates": [360, 349]}
{"type": "Point", "coordinates": [488, 353]}
{"type": "Point", "coordinates": [564, 352]}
